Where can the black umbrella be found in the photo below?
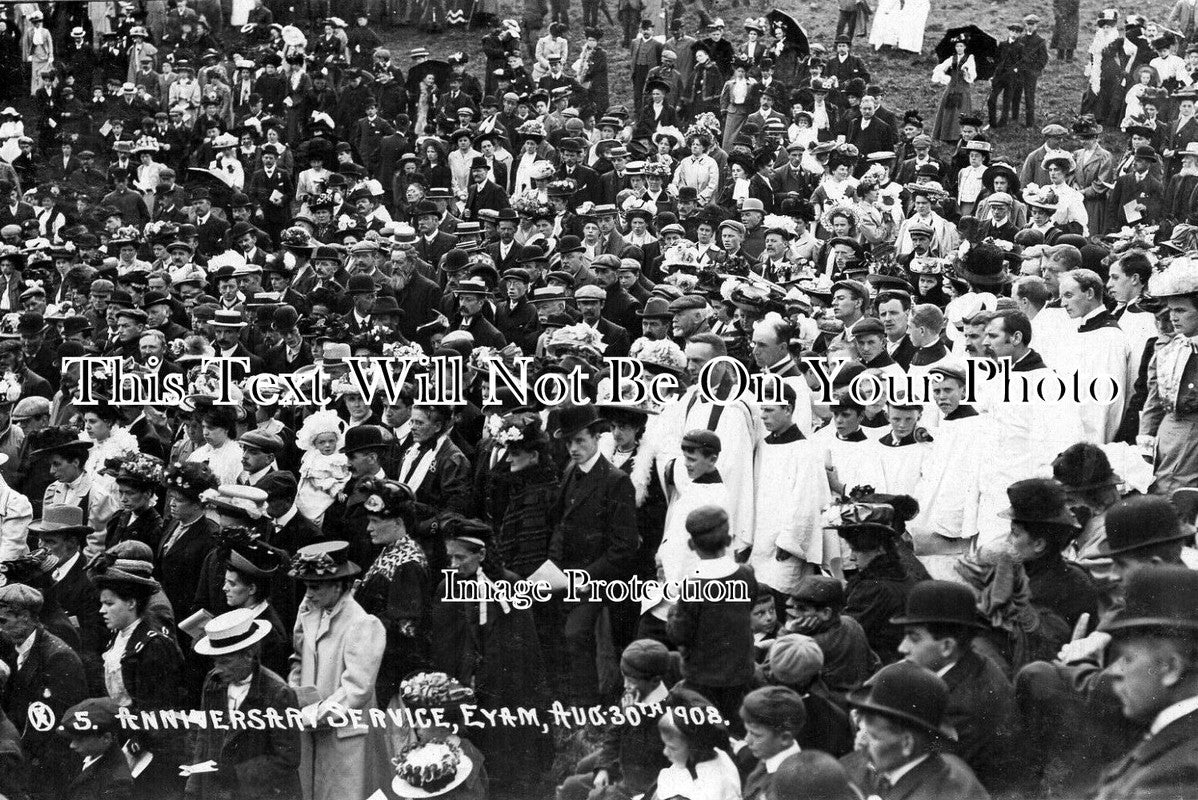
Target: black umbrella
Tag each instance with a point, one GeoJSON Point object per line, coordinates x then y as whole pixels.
{"type": "Point", "coordinates": [979, 44]}
{"type": "Point", "coordinates": [220, 192]}
{"type": "Point", "coordinates": [438, 69]}
{"type": "Point", "coordinates": [794, 33]}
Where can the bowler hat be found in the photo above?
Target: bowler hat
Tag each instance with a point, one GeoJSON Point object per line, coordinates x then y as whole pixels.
{"type": "Point", "coordinates": [942, 603]}
{"type": "Point", "coordinates": [572, 419]}
{"type": "Point", "coordinates": [1141, 521]}
{"type": "Point", "coordinates": [908, 694]}
{"type": "Point", "coordinates": [1164, 596]}
{"type": "Point", "coordinates": [1038, 500]}
{"type": "Point", "coordinates": [366, 437]}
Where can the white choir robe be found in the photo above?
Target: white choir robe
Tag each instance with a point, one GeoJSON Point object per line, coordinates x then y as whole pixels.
{"type": "Point", "coordinates": [1052, 333]}
{"type": "Point", "coordinates": [739, 428]}
{"type": "Point", "coordinates": [792, 492]}
{"type": "Point", "coordinates": [949, 474]}
{"type": "Point", "coordinates": [1022, 440]}
{"type": "Point", "coordinates": [901, 463]}
{"type": "Point", "coordinates": [1138, 327]}
{"type": "Point", "coordinates": [855, 458]}
{"type": "Point", "coordinates": [1100, 353]}
{"type": "Point", "coordinates": [675, 559]}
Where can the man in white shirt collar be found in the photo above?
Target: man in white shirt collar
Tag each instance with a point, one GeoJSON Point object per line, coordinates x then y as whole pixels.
{"type": "Point", "coordinates": [1155, 674]}
{"type": "Point", "coordinates": [258, 452]}
{"type": "Point", "coordinates": [902, 711]}
{"type": "Point", "coordinates": [19, 609]}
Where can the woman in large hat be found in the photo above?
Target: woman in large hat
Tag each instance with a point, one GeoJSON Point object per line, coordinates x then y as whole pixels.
{"type": "Point", "coordinates": [142, 664]}
{"type": "Point", "coordinates": [252, 571]}
{"type": "Point", "coordinates": [67, 455]}
{"type": "Point", "coordinates": [1169, 421]}
{"type": "Point", "coordinates": [397, 587]}
{"type": "Point", "coordinates": [190, 534]}
{"type": "Point", "coordinates": [339, 648]}
{"type": "Point", "coordinates": [957, 74]}
{"type": "Point", "coordinates": [137, 476]}
{"type": "Point", "coordinates": [492, 646]}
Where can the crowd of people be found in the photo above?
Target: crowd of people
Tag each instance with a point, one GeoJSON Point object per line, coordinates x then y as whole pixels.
{"type": "Point", "coordinates": [963, 586]}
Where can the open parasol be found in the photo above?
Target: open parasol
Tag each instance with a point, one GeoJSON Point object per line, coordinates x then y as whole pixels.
{"type": "Point", "coordinates": [979, 44]}
{"type": "Point", "coordinates": [220, 191]}
{"type": "Point", "coordinates": [430, 66]}
{"type": "Point", "coordinates": [795, 34]}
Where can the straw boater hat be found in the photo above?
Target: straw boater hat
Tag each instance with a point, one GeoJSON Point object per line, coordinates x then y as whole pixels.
{"type": "Point", "coordinates": [231, 632]}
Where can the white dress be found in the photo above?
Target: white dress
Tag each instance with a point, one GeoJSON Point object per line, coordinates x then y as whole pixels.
{"type": "Point", "coordinates": [321, 478]}
{"type": "Point", "coordinates": [224, 461]}
{"type": "Point", "coordinates": [900, 24]}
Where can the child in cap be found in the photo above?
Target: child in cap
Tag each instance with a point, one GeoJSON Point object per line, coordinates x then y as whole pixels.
{"type": "Point", "coordinates": [629, 755]}
{"type": "Point", "coordinates": [94, 732]}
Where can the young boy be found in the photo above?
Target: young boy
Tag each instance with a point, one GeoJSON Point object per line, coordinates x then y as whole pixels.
{"type": "Point", "coordinates": [903, 449]}
{"type": "Point", "coordinates": [773, 717]}
{"type": "Point", "coordinates": [814, 611]}
{"type": "Point", "coordinates": [764, 620]}
{"type": "Point", "coordinates": [715, 636]}
{"type": "Point", "coordinates": [850, 457]}
{"type": "Point", "coordinates": [629, 756]}
{"type": "Point", "coordinates": [788, 540]}
{"type": "Point", "coordinates": [92, 728]}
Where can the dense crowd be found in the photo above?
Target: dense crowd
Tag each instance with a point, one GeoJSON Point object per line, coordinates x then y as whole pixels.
{"type": "Point", "coordinates": [222, 587]}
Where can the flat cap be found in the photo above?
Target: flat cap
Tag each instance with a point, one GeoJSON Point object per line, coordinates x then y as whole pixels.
{"type": "Point", "coordinates": [1053, 129]}
{"type": "Point", "coordinates": [819, 590]}
{"type": "Point", "coordinates": [30, 407]}
{"type": "Point", "coordinates": [645, 659]}
{"type": "Point", "coordinates": [589, 292]}
{"type": "Point", "coordinates": [706, 519]}
{"type": "Point", "coordinates": [795, 659]}
{"type": "Point", "coordinates": [869, 326]}
{"type": "Point", "coordinates": [260, 440]}
{"type": "Point", "coordinates": [686, 303]}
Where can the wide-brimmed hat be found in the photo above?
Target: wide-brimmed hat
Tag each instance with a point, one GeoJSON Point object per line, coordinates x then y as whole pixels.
{"type": "Point", "coordinates": [1038, 500]}
{"type": "Point", "coordinates": [323, 561]}
{"type": "Point", "coordinates": [239, 502]}
{"type": "Point", "coordinates": [857, 518]}
{"type": "Point", "coordinates": [1141, 521]}
{"type": "Point", "coordinates": [62, 521]}
{"type": "Point", "coordinates": [906, 693]}
{"type": "Point", "coordinates": [984, 265]}
{"type": "Point", "coordinates": [190, 479]}
{"type": "Point", "coordinates": [250, 555]}
{"type": "Point", "coordinates": [109, 568]}
{"type": "Point", "coordinates": [385, 498]}
{"type": "Point", "coordinates": [1158, 597]}
{"type": "Point", "coordinates": [139, 469]}
{"type": "Point", "coordinates": [58, 440]}
{"type": "Point", "coordinates": [232, 631]}
{"type": "Point", "coordinates": [941, 603]}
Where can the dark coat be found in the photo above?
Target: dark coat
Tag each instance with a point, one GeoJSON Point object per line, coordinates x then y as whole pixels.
{"type": "Point", "coordinates": [1150, 192]}
{"type": "Point", "coordinates": [938, 777]}
{"type": "Point", "coordinates": [52, 674]}
{"type": "Point", "coordinates": [107, 779]}
{"type": "Point", "coordinates": [615, 337]}
{"type": "Point", "coordinates": [178, 569]}
{"type": "Point", "coordinates": [432, 252]}
{"type": "Point", "coordinates": [875, 594]}
{"type": "Point", "coordinates": [1165, 765]}
{"type": "Point", "coordinates": [146, 528]}
{"type": "Point", "coordinates": [262, 186]}
{"type": "Point", "coordinates": [518, 324]}
{"type": "Point", "coordinates": [79, 598]}
{"type": "Point", "coordinates": [1061, 587]}
{"type": "Point", "coordinates": [595, 522]}
{"type": "Point", "coordinates": [489, 195]}
{"type": "Point", "coordinates": [981, 708]}
{"type": "Point", "coordinates": [485, 334]}
{"type": "Point", "coordinates": [252, 764]}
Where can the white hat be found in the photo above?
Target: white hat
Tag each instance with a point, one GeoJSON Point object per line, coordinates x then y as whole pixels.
{"type": "Point", "coordinates": [232, 631]}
